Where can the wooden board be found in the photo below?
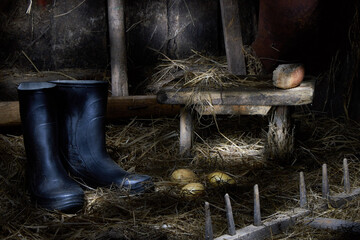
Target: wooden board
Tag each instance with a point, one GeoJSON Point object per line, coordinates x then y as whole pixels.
{"type": "Point", "coordinates": [118, 108]}
{"type": "Point", "coordinates": [232, 110]}
{"type": "Point", "coordinates": [269, 96]}
{"type": "Point", "coordinates": [230, 17]}
{"type": "Point", "coordinates": [334, 224]}
{"type": "Point", "coordinates": [342, 199]}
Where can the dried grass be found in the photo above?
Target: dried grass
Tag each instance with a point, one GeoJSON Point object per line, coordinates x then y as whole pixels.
{"type": "Point", "coordinates": [151, 147]}
{"type": "Point", "coordinates": [202, 72]}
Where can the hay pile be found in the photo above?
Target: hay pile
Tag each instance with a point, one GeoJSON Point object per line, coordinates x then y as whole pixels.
{"type": "Point", "coordinates": [151, 147]}
{"type": "Point", "coordinates": [202, 72]}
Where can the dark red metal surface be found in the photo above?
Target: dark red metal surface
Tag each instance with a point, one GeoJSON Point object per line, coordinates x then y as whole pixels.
{"type": "Point", "coordinates": [281, 24]}
{"type": "Point", "coordinates": [43, 3]}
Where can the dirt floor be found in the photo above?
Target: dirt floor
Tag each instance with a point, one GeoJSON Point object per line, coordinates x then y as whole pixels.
{"type": "Point", "coordinates": [150, 146]}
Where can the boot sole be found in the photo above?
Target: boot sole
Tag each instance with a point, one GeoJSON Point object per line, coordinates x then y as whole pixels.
{"type": "Point", "coordinates": [70, 204]}
{"type": "Point", "coordinates": [143, 187]}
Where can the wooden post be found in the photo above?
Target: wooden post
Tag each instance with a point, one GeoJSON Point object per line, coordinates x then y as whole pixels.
{"type": "Point", "coordinates": [280, 139]}
{"type": "Point", "coordinates": [186, 132]}
{"type": "Point", "coordinates": [119, 80]}
{"type": "Point", "coordinates": [232, 36]}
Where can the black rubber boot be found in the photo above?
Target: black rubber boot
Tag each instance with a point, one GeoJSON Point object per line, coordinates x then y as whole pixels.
{"type": "Point", "coordinates": [49, 184]}
{"type": "Point", "coordinates": [82, 137]}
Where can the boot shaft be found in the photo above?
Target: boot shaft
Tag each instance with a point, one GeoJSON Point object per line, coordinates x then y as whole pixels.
{"type": "Point", "coordinates": [81, 117]}
{"type": "Point", "coordinates": [39, 120]}
{"type": "Point", "coordinates": [82, 99]}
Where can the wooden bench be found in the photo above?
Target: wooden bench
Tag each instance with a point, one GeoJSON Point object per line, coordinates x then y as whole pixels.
{"type": "Point", "coordinates": [238, 101]}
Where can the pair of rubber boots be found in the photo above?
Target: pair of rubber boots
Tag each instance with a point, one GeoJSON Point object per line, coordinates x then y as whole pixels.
{"type": "Point", "coordinates": [64, 131]}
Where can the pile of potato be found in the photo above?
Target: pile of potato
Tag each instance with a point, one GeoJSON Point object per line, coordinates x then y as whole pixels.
{"type": "Point", "coordinates": [190, 185]}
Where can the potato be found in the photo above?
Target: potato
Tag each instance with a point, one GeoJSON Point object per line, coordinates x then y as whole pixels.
{"type": "Point", "coordinates": [192, 190]}
{"type": "Point", "coordinates": [217, 179]}
{"type": "Point", "coordinates": [287, 76]}
{"type": "Point", "coordinates": [183, 176]}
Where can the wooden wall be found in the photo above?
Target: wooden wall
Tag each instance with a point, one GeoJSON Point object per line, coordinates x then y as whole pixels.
{"type": "Point", "coordinates": [73, 34]}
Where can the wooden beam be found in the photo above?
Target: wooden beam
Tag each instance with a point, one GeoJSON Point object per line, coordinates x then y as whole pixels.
{"type": "Point", "coordinates": [119, 79]}
{"type": "Point", "coordinates": [10, 114]}
{"type": "Point", "coordinates": [232, 36]}
{"type": "Point", "coordinates": [138, 106]}
{"type": "Point", "coordinates": [269, 96]}
{"type": "Point", "coordinates": [117, 108]}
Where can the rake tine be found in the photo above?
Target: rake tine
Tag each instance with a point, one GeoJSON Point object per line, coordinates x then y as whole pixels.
{"type": "Point", "coordinates": [257, 214]}
{"type": "Point", "coordinates": [325, 182]}
{"type": "Point", "coordinates": [303, 200]}
{"type": "Point", "coordinates": [208, 224]}
{"type": "Point", "coordinates": [346, 176]}
{"type": "Point", "coordinates": [229, 216]}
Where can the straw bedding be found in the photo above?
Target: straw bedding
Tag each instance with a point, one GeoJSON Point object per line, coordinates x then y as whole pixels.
{"type": "Point", "coordinates": [151, 146]}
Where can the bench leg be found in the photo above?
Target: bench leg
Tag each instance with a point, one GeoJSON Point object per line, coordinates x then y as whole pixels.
{"type": "Point", "coordinates": [186, 132]}
{"type": "Point", "coordinates": [280, 136]}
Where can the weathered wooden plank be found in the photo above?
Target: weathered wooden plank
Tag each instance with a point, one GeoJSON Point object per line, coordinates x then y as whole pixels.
{"type": "Point", "coordinates": [232, 110]}
{"type": "Point", "coordinates": [232, 36]}
{"type": "Point", "coordinates": [270, 96]}
{"type": "Point", "coordinates": [342, 199]}
{"type": "Point", "coordinates": [334, 224]}
{"type": "Point", "coordinates": [118, 108]}
{"type": "Point", "coordinates": [268, 228]}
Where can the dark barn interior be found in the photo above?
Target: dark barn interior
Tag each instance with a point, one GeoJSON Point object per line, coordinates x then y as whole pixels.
{"type": "Point", "coordinates": [244, 114]}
